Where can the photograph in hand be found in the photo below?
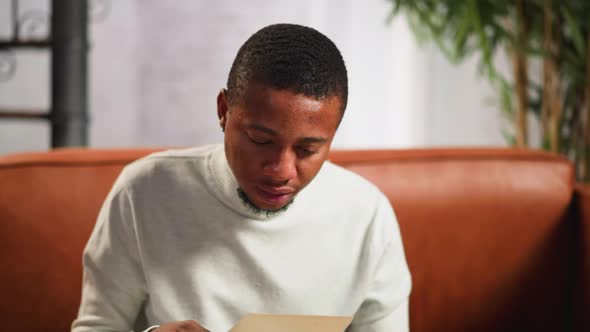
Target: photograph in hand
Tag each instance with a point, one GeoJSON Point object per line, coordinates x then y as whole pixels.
{"type": "Point", "coordinates": [291, 323]}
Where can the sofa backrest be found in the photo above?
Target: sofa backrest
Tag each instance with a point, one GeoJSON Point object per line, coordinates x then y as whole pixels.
{"type": "Point", "coordinates": [486, 232]}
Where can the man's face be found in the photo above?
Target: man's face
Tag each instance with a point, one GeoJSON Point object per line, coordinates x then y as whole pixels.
{"type": "Point", "coordinates": [276, 141]}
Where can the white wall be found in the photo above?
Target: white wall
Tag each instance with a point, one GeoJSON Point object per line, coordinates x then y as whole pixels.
{"type": "Point", "coordinates": [462, 107]}
{"type": "Point", "coordinates": [156, 67]}
{"type": "Point", "coordinates": [28, 89]}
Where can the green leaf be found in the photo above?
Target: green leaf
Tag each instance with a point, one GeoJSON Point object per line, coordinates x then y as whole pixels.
{"type": "Point", "coordinates": [506, 91]}
{"type": "Point", "coordinates": [540, 52]}
{"type": "Point", "coordinates": [574, 30]}
{"type": "Point", "coordinates": [483, 40]}
{"type": "Point", "coordinates": [509, 138]}
{"type": "Point", "coordinates": [545, 144]}
{"type": "Point", "coordinates": [462, 28]}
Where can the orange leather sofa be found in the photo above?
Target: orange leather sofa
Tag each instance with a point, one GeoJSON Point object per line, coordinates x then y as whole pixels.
{"type": "Point", "coordinates": [496, 239]}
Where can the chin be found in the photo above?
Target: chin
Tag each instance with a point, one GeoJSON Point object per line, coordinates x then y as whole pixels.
{"type": "Point", "coordinates": [262, 205]}
{"type": "Point", "coordinates": [273, 208]}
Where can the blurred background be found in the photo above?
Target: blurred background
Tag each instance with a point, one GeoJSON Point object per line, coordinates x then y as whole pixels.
{"type": "Point", "coordinates": [155, 68]}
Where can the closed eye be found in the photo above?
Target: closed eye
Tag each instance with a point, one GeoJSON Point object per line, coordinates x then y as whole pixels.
{"type": "Point", "coordinates": [259, 141]}
{"type": "Point", "coordinates": [304, 152]}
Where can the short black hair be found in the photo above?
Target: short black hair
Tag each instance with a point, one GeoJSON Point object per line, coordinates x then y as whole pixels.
{"type": "Point", "coordinates": [291, 57]}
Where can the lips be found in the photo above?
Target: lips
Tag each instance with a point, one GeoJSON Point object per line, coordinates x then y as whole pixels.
{"type": "Point", "coordinates": [276, 190]}
{"type": "Point", "coordinates": [275, 195]}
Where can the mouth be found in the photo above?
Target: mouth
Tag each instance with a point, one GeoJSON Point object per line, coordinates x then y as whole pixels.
{"type": "Point", "coordinates": [275, 196]}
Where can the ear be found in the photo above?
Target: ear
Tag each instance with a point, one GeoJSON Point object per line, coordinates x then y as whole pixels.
{"type": "Point", "coordinates": [222, 108]}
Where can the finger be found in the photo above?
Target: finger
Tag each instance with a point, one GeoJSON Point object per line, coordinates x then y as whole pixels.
{"type": "Point", "coordinates": [192, 326]}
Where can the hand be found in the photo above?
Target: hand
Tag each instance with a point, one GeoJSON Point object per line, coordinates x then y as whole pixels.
{"type": "Point", "coordinates": [184, 326]}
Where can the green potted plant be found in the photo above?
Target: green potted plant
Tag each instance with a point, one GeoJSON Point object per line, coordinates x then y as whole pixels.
{"type": "Point", "coordinates": [554, 33]}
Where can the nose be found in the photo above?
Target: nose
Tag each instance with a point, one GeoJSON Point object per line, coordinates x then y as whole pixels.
{"type": "Point", "coordinates": [281, 167]}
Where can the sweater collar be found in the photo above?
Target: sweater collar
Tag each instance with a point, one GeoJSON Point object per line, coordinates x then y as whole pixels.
{"type": "Point", "coordinates": [225, 187]}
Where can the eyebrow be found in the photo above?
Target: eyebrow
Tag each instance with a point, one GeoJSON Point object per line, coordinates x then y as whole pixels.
{"type": "Point", "coordinates": [274, 133]}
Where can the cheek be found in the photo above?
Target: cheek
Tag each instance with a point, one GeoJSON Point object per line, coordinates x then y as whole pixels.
{"type": "Point", "coordinates": [247, 160]}
{"type": "Point", "coordinates": [308, 170]}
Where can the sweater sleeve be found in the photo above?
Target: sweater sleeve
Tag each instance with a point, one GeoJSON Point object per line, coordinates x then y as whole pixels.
{"type": "Point", "coordinates": [385, 308]}
{"type": "Point", "coordinates": [113, 286]}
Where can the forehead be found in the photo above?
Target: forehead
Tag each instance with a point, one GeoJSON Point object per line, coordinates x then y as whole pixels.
{"type": "Point", "coordinates": [266, 103]}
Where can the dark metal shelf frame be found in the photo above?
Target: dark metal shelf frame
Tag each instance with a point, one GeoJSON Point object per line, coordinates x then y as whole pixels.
{"type": "Point", "coordinates": [68, 44]}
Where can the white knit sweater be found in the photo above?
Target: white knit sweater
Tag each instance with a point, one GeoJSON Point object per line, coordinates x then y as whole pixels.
{"type": "Point", "coordinates": [174, 241]}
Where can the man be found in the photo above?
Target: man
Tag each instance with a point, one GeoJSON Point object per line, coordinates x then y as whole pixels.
{"type": "Point", "coordinates": [194, 239]}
